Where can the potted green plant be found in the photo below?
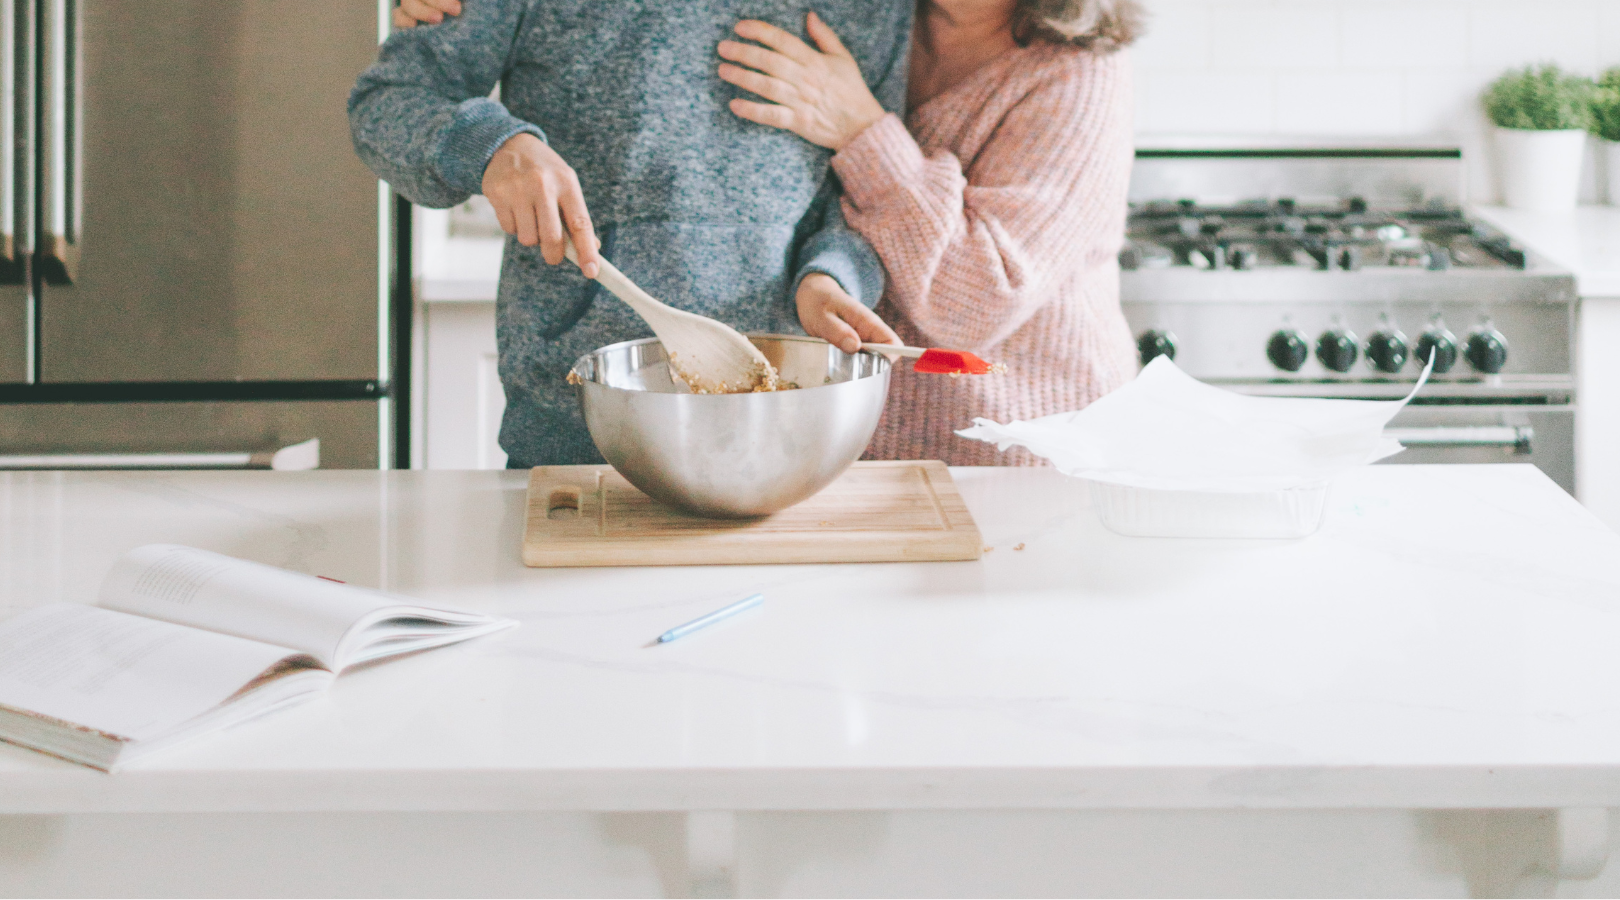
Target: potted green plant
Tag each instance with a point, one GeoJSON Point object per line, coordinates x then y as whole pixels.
{"type": "Point", "coordinates": [1606, 125]}
{"type": "Point", "coordinates": [1541, 115]}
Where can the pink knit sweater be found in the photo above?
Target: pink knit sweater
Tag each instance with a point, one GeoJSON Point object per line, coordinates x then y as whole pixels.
{"type": "Point", "coordinates": [1000, 224]}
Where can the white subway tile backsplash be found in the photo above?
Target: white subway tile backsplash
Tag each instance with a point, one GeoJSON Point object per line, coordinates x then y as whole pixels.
{"type": "Point", "coordinates": [1200, 101]}
{"type": "Point", "coordinates": [1440, 100]}
{"type": "Point", "coordinates": [1339, 102]}
{"type": "Point", "coordinates": [1280, 34]}
{"type": "Point", "coordinates": [1337, 67]}
{"type": "Point", "coordinates": [1139, 90]}
{"type": "Point", "coordinates": [1608, 35]}
{"type": "Point", "coordinates": [1177, 34]}
{"type": "Point", "coordinates": [1503, 35]}
{"type": "Point", "coordinates": [1410, 33]}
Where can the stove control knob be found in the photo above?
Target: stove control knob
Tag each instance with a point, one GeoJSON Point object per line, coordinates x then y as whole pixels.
{"type": "Point", "coordinates": [1487, 349]}
{"type": "Point", "coordinates": [1156, 343]}
{"type": "Point", "coordinates": [1336, 349]}
{"type": "Point", "coordinates": [1288, 349]}
{"type": "Point", "coordinates": [1386, 349]}
{"type": "Point", "coordinates": [1438, 340]}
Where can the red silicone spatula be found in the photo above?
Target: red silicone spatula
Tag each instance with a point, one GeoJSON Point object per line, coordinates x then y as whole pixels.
{"type": "Point", "coordinates": [939, 362]}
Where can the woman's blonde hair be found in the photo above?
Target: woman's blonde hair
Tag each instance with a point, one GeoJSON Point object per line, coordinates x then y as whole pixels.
{"type": "Point", "coordinates": [1101, 25]}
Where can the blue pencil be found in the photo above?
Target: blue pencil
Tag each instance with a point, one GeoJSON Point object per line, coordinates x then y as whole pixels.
{"type": "Point", "coordinates": [724, 612]}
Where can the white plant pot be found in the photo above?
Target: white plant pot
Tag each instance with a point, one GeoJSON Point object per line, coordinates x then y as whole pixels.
{"type": "Point", "coordinates": [1540, 170]}
{"type": "Point", "coordinates": [1611, 168]}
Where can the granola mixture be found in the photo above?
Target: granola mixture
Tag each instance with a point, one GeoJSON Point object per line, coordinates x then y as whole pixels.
{"type": "Point", "coordinates": [762, 379]}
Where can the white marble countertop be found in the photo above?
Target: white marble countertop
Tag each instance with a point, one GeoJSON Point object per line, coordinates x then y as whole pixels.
{"type": "Point", "coordinates": [1585, 241]}
{"type": "Point", "coordinates": [1447, 640]}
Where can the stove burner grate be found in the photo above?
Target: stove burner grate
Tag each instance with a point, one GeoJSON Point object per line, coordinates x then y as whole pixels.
{"type": "Point", "coordinates": [1344, 235]}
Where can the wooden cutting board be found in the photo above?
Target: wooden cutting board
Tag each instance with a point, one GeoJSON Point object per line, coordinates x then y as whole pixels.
{"type": "Point", "coordinates": [874, 512]}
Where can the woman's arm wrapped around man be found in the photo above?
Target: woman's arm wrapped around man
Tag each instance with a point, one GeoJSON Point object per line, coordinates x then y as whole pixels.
{"type": "Point", "coordinates": [975, 247]}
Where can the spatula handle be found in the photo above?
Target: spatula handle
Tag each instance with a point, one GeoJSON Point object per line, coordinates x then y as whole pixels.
{"type": "Point", "coordinates": [894, 350]}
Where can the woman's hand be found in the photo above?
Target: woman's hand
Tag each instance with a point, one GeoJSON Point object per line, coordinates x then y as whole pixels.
{"type": "Point", "coordinates": [536, 194]}
{"type": "Point", "coordinates": [828, 313]}
{"type": "Point", "coordinates": [821, 97]}
{"type": "Point", "coordinates": [410, 13]}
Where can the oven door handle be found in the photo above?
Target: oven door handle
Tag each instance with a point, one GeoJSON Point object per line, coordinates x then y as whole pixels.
{"type": "Point", "coordinates": [1517, 437]}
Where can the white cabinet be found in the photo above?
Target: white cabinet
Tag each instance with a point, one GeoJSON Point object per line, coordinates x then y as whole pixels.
{"type": "Point", "coordinates": [1597, 423]}
{"type": "Point", "coordinates": [464, 401]}
{"type": "Point", "coordinates": [457, 262]}
{"type": "Point", "coordinates": [1587, 243]}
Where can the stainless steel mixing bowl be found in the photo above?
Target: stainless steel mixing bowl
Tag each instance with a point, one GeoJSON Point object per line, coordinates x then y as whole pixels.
{"type": "Point", "coordinates": [733, 455]}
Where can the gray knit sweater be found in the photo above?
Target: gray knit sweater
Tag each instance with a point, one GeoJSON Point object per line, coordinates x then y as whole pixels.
{"type": "Point", "coordinates": [705, 211]}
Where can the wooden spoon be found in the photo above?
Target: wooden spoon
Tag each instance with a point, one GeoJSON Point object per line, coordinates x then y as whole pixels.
{"type": "Point", "coordinates": [710, 357]}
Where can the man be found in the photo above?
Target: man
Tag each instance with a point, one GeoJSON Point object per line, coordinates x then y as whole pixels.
{"type": "Point", "coordinates": [613, 124]}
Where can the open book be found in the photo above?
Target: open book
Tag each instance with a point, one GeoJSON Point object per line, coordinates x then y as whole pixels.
{"type": "Point", "coordinates": [184, 641]}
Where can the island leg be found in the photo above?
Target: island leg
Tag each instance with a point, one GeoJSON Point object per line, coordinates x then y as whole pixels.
{"type": "Point", "coordinates": [1583, 842]}
{"type": "Point", "coordinates": [711, 853]}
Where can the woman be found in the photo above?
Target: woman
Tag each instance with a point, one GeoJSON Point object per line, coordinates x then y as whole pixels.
{"type": "Point", "coordinates": [999, 215]}
{"type": "Point", "coordinates": [998, 208]}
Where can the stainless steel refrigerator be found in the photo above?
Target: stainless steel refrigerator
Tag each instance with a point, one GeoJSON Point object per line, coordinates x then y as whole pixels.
{"type": "Point", "coordinates": [197, 270]}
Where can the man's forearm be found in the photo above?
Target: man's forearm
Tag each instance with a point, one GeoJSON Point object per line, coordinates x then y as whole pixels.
{"type": "Point", "coordinates": [838, 251]}
{"type": "Point", "coordinates": [421, 117]}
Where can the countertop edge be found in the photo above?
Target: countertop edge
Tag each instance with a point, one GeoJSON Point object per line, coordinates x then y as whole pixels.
{"type": "Point", "coordinates": [1283, 787]}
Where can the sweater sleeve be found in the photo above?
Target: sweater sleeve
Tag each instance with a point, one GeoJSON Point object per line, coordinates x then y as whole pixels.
{"type": "Point", "coordinates": [973, 251]}
{"type": "Point", "coordinates": [835, 249]}
{"type": "Point", "coordinates": [421, 117]}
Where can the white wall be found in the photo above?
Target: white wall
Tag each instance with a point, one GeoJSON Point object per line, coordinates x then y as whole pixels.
{"type": "Point", "coordinates": [1321, 68]}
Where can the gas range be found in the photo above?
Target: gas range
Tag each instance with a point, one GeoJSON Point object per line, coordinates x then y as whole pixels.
{"type": "Point", "coordinates": [1336, 272]}
{"type": "Point", "coordinates": [1343, 235]}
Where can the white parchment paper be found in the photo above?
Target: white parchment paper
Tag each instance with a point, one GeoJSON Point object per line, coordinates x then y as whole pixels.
{"type": "Point", "coordinates": [1169, 431]}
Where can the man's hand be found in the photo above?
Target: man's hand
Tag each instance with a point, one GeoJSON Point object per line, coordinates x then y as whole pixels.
{"type": "Point", "coordinates": [428, 12]}
{"type": "Point", "coordinates": [535, 194]}
{"type": "Point", "coordinates": [828, 313]}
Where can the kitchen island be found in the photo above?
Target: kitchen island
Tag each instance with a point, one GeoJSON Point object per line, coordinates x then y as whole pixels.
{"type": "Point", "coordinates": [1423, 698]}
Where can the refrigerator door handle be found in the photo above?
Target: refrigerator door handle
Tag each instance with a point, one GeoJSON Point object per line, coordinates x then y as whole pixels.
{"type": "Point", "coordinates": [62, 163]}
{"type": "Point", "coordinates": [16, 130]}
{"type": "Point", "coordinates": [8, 132]}
{"type": "Point", "coordinates": [9, 37]}
{"type": "Point", "coordinates": [298, 457]}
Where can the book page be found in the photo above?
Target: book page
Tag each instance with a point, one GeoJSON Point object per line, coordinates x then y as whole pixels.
{"type": "Point", "coordinates": [411, 629]}
{"type": "Point", "coordinates": [234, 596]}
{"type": "Point", "coordinates": [128, 677]}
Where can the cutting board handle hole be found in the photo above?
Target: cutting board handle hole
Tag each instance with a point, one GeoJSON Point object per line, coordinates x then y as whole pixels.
{"type": "Point", "coordinates": [563, 504]}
